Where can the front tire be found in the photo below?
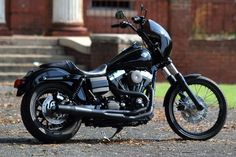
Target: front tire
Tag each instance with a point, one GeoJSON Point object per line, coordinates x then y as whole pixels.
{"type": "Point", "coordinates": [183, 117]}
{"type": "Point", "coordinates": [45, 126]}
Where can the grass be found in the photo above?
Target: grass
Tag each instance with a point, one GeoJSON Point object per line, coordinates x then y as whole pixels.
{"type": "Point", "coordinates": [229, 91]}
{"type": "Point", "coordinates": [230, 94]}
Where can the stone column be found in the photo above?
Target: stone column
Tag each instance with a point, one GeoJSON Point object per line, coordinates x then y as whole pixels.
{"type": "Point", "coordinates": [3, 22]}
{"type": "Point", "coordinates": [67, 18]}
{"type": "Point", "coordinates": [2, 12]}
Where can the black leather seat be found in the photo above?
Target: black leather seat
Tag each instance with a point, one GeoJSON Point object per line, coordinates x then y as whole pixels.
{"type": "Point", "coordinates": [73, 69]}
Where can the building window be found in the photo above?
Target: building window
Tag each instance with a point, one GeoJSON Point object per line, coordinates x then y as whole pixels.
{"type": "Point", "coordinates": [108, 8]}
{"type": "Point", "coordinates": [111, 4]}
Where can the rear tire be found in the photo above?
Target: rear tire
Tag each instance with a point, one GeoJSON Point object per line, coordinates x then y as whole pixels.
{"type": "Point", "coordinates": [47, 128]}
{"type": "Point", "coordinates": [189, 123]}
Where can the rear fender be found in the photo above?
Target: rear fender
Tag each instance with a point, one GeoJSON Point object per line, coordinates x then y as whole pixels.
{"type": "Point", "coordinates": [42, 76]}
{"type": "Point", "coordinates": [170, 90]}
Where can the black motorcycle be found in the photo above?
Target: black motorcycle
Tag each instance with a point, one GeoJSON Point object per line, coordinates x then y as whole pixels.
{"type": "Point", "coordinates": [59, 97]}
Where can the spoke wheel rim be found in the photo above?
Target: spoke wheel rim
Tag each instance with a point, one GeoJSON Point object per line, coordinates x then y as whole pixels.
{"type": "Point", "coordinates": [49, 121]}
{"type": "Point", "coordinates": [209, 115]}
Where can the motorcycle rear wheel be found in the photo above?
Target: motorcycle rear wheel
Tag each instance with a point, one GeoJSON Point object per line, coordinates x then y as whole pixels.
{"type": "Point", "coordinates": [183, 117]}
{"type": "Point", "coordinates": [47, 127]}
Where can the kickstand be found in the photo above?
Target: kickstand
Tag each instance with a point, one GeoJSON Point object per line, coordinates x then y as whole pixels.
{"type": "Point", "coordinates": [117, 131]}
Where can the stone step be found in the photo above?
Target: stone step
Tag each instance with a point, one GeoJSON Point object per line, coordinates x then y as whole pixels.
{"type": "Point", "coordinates": [10, 76]}
{"type": "Point", "coordinates": [18, 68]}
{"type": "Point", "coordinates": [55, 50]}
{"type": "Point", "coordinates": [19, 54]}
{"type": "Point", "coordinates": [29, 40]}
{"type": "Point", "coordinates": [31, 58]}
{"type": "Point", "coordinates": [13, 75]}
{"type": "Point", "coordinates": [10, 67]}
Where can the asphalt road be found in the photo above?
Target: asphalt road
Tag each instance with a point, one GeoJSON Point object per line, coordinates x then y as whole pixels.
{"type": "Point", "coordinates": [153, 139]}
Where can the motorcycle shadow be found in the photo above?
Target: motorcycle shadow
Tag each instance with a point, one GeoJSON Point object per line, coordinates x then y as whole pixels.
{"type": "Point", "coordinates": [21, 140]}
{"type": "Point", "coordinates": [32, 141]}
{"type": "Point", "coordinates": [135, 141]}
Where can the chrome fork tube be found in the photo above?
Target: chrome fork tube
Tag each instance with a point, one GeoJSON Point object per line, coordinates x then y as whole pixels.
{"type": "Point", "coordinates": [169, 72]}
{"type": "Point", "coordinates": [174, 76]}
{"type": "Point", "coordinates": [171, 67]}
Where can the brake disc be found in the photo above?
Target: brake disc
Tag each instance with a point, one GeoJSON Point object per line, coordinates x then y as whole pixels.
{"type": "Point", "coordinates": [191, 114]}
{"type": "Point", "coordinates": [52, 117]}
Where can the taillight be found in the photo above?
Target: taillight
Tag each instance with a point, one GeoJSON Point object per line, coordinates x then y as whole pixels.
{"type": "Point", "coordinates": [18, 83]}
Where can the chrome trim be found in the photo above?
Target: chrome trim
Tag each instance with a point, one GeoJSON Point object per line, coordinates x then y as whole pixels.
{"type": "Point", "coordinates": [165, 72]}
{"type": "Point", "coordinates": [102, 78]}
{"type": "Point", "coordinates": [100, 89]}
{"type": "Point", "coordinates": [116, 74]}
{"type": "Point", "coordinates": [147, 74]}
{"type": "Point", "coordinates": [171, 67]}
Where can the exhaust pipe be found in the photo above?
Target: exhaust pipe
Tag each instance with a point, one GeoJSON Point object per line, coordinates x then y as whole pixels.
{"type": "Point", "coordinates": [108, 114]}
{"type": "Point", "coordinates": [81, 112]}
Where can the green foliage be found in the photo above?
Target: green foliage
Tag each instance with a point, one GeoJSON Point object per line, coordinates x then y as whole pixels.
{"type": "Point", "coordinates": [229, 91]}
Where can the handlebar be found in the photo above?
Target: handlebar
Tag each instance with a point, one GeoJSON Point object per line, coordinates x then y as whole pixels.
{"type": "Point", "coordinates": [123, 24]}
{"type": "Point", "coordinates": [115, 25]}
{"type": "Point", "coordinates": [138, 19]}
{"type": "Point", "coordinates": [141, 20]}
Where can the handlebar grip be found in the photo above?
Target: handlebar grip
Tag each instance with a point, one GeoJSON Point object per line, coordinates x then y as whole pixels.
{"type": "Point", "coordinates": [115, 25]}
{"type": "Point", "coordinates": [137, 19]}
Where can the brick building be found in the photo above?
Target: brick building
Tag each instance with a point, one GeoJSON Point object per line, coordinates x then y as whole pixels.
{"type": "Point", "coordinates": [203, 31]}
{"type": "Point", "coordinates": [45, 17]}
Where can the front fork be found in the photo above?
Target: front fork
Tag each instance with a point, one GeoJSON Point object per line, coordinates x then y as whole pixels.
{"type": "Point", "coordinates": [174, 76]}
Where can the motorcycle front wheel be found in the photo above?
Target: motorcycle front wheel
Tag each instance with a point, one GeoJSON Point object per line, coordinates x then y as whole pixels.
{"type": "Point", "coordinates": [46, 126]}
{"type": "Point", "coordinates": [190, 123]}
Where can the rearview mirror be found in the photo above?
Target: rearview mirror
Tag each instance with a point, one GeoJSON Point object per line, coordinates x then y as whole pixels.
{"type": "Point", "coordinates": [120, 14]}
{"type": "Point", "coordinates": [142, 7]}
{"type": "Point", "coordinates": [143, 10]}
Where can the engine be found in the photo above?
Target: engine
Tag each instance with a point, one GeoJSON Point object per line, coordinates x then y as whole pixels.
{"type": "Point", "coordinates": [134, 81]}
{"type": "Point", "coordinates": [128, 82]}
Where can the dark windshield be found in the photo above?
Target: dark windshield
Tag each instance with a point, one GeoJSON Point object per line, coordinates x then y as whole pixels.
{"type": "Point", "coordinates": [158, 34]}
{"type": "Point", "coordinates": [157, 29]}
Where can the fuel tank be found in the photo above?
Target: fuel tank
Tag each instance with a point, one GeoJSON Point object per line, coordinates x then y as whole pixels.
{"type": "Point", "coordinates": [134, 57]}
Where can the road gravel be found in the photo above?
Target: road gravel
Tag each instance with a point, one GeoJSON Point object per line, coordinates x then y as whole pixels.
{"type": "Point", "coordinates": [154, 139]}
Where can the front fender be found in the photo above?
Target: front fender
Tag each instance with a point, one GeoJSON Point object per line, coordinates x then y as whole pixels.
{"type": "Point", "coordinates": [191, 76]}
{"type": "Point", "coordinates": [37, 77]}
{"type": "Point", "coordinates": [169, 91]}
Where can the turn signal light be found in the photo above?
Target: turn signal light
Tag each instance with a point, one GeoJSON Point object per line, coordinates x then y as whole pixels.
{"type": "Point", "coordinates": [18, 83]}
